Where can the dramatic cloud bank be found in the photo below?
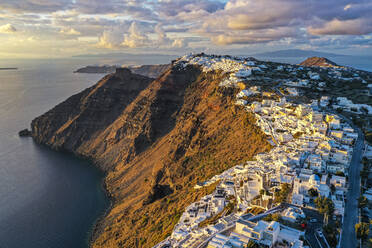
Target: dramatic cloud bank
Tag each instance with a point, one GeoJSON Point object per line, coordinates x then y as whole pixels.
{"type": "Point", "coordinates": [186, 25]}
{"type": "Point", "coordinates": [7, 29]}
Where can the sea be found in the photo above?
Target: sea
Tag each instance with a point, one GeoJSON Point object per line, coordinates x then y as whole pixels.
{"type": "Point", "coordinates": [51, 199]}
{"type": "Point", "coordinates": [47, 199]}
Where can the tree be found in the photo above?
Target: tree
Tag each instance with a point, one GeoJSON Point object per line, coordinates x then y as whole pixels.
{"type": "Point", "coordinates": [362, 202]}
{"type": "Point", "coordinates": [330, 231]}
{"type": "Point", "coordinates": [365, 160]}
{"type": "Point", "coordinates": [272, 217]}
{"type": "Point", "coordinates": [282, 194]}
{"type": "Point", "coordinates": [340, 173]}
{"type": "Point", "coordinates": [325, 206]}
{"type": "Point", "coordinates": [252, 244]}
{"type": "Point", "coordinates": [364, 110]}
{"type": "Point", "coordinates": [262, 192]}
{"type": "Point", "coordinates": [362, 230]}
{"type": "Point", "coordinates": [333, 188]}
{"type": "Point", "coordinates": [313, 192]}
{"type": "Point", "coordinates": [365, 171]}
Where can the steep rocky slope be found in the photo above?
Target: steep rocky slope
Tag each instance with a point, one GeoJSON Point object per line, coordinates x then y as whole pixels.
{"type": "Point", "coordinates": [318, 61]}
{"type": "Point", "coordinates": [155, 140]}
{"type": "Point", "coordinates": [79, 120]}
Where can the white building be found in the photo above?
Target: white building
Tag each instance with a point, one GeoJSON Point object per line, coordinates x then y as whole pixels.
{"type": "Point", "coordinates": [261, 232]}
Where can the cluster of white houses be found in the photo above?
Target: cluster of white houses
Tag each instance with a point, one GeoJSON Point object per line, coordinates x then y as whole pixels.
{"type": "Point", "coordinates": [264, 233]}
{"type": "Point", "coordinates": [312, 149]}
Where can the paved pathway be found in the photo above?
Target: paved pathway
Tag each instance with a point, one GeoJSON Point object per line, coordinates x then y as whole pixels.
{"type": "Point", "coordinates": [348, 239]}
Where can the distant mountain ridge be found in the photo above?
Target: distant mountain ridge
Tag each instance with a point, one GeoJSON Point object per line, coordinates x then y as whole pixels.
{"type": "Point", "coordinates": [297, 53]}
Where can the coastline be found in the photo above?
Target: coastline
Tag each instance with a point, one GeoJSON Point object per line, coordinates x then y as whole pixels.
{"type": "Point", "coordinates": [93, 231]}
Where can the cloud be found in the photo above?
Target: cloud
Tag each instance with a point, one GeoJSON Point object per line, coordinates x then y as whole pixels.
{"type": "Point", "coordinates": [179, 43]}
{"type": "Point", "coordinates": [138, 36]}
{"type": "Point", "coordinates": [109, 39]}
{"type": "Point", "coordinates": [347, 7]}
{"type": "Point", "coordinates": [174, 8]}
{"type": "Point", "coordinates": [34, 6]}
{"type": "Point", "coordinates": [188, 24]}
{"type": "Point", "coordinates": [343, 27]}
{"type": "Point", "coordinates": [7, 29]}
{"type": "Point", "coordinates": [135, 38]}
{"type": "Point", "coordinates": [252, 37]}
{"type": "Point", "coordinates": [133, 8]}
{"type": "Point", "coordinates": [162, 36]}
{"type": "Point", "coordinates": [69, 31]}
{"type": "Point", "coordinates": [251, 21]}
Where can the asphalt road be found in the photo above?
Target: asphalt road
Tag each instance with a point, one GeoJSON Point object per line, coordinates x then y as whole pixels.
{"type": "Point", "coordinates": [311, 228]}
{"type": "Point", "coordinates": [348, 239]}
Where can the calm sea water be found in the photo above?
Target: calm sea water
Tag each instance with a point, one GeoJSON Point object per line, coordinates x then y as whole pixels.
{"type": "Point", "coordinates": [47, 199]}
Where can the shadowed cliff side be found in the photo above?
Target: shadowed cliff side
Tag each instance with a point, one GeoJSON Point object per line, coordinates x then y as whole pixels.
{"type": "Point", "coordinates": [180, 129]}
{"type": "Point", "coordinates": [81, 117]}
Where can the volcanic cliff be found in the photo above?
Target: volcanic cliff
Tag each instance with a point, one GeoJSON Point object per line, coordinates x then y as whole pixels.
{"type": "Point", "coordinates": [155, 139]}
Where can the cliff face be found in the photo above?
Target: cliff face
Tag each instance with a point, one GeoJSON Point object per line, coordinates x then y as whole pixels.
{"type": "Point", "coordinates": [79, 120]}
{"type": "Point", "coordinates": [156, 140]}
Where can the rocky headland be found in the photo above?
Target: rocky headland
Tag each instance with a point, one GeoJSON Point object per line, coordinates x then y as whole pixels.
{"type": "Point", "coordinates": [155, 139]}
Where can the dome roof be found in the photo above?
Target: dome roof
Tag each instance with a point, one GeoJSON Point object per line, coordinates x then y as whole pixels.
{"type": "Point", "coordinates": [314, 177]}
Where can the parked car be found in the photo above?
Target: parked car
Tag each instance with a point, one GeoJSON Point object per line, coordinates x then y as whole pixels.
{"type": "Point", "coordinates": [313, 220]}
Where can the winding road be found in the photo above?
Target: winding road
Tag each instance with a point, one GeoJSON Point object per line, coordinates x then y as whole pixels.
{"type": "Point", "coordinates": [348, 238]}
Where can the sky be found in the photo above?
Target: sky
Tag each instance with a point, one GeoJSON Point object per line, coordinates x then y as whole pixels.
{"type": "Point", "coordinates": [64, 28]}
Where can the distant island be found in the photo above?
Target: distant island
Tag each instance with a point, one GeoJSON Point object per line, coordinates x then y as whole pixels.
{"type": "Point", "coordinates": [152, 71]}
{"type": "Point", "coordinates": [97, 69]}
{"type": "Point", "coordinates": [8, 68]}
